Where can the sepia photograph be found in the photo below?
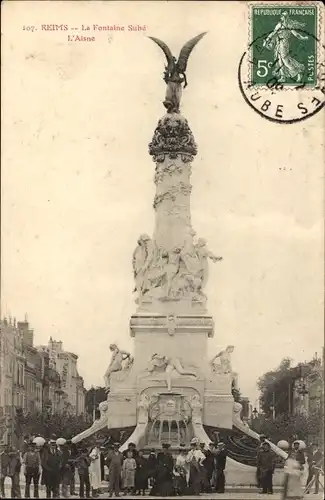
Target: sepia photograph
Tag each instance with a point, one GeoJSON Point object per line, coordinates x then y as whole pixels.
{"type": "Point", "coordinates": [162, 249]}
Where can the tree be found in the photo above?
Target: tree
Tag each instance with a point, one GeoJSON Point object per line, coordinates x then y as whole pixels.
{"type": "Point", "coordinates": [94, 396]}
{"type": "Point", "coordinates": [60, 425]}
{"type": "Point", "coordinates": [289, 427]}
{"type": "Point", "coordinates": [276, 387]}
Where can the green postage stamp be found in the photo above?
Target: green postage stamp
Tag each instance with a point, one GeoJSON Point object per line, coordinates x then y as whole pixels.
{"type": "Point", "coordinates": [283, 40]}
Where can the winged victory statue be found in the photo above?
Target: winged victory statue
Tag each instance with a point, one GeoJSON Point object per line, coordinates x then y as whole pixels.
{"type": "Point", "coordinates": [175, 72]}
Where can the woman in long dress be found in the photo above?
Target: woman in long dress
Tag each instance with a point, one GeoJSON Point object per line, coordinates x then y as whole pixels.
{"type": "Point", "coordinates": [279, 40]}
{"type": "Point", "coordinates": [94, 470]}
{"type": "Point", "coordinates": [181, 473]}
{"type": "Point", "coordinates": [293, 472]}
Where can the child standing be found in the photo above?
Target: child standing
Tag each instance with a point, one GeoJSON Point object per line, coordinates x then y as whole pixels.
{"type": "Point", "coordinates": [128, 473]}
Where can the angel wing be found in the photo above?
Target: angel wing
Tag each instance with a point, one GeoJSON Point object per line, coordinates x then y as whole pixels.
{"type": "Point", "coordinates": [186, 51]}
{"type": "Point", "coordinates": [164, 47]}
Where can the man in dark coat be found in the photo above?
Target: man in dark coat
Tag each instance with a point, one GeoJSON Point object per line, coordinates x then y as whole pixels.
{"type": "Point", "coordinates": [258, 472]}
{"type": "Point", "coordinates": [209, 464]}
{"type": "Point", "coordinates": [266, 464]}
{"type": "Point", "coordinates": [152, 470]}
{"type": "Point", "coordinates": [141, 474]}
{"type": "Point", "coordinates": [82, 462]}
{"type": "Point", "coordinates": [220, 465]}
{"type": "Point", "coordinates": [10, 467]}
{"type": "Point", "coordinates": [299, 454]}
{"type": "Point", "coordinates": [72, 461]}
{"type": "Point", "coordinates": [315, 462]}
{"type": "Point", "coordinates": [52, 467]}
{"type": "Point", "coordinates": [164, 475]}
{"type": "Point", "coordinates": [102, 462]}
{"type": "Point", "coordinates": [4, 468]}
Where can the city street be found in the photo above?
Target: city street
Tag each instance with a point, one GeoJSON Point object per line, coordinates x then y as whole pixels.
{"type": "Point", "coordinates": [234, 495]}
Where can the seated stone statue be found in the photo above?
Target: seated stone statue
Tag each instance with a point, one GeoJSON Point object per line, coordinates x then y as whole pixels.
{"type": "Point", "coordinates": [221, 363]}
{"type": "Point", "coordinates": [116, 363]}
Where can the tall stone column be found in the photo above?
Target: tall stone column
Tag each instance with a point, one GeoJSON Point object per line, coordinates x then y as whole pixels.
{"type": "Point", "coordinates": [173, 148]}
{"type": "Point", "coordinates": [171, 268]}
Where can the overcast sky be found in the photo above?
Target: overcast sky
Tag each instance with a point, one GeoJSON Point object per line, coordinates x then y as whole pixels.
{"type": "Point", "coordinates": [77, 184]}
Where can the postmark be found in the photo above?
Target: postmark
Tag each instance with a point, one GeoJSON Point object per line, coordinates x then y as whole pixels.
{"type": "Point", "coordinates": [281, 75]}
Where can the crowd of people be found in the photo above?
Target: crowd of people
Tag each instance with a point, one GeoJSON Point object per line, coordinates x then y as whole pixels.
{"type": "Point", "coordinates": [55, 463]}
{"type": "Point", "coordinates": [199, 469]}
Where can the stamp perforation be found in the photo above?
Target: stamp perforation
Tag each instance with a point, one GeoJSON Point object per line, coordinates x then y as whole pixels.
{"type": "Point", "coordinates": [319, 46]}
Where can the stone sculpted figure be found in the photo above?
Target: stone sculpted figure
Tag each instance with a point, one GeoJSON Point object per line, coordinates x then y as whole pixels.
{"type": "Point", "coordinates": [172, 268]}
{"type": "Point", "coordinates": [196, 406]}
{"type": "Point", "coordinates": [203, 254]}
{"type": "Point", "coordinates": [116, 363]}
{"type": "Point", "coordinates": [142, 259]}
{"type": "Point", "coordinates": [171, 367]}
{"type": "Point", "coordinates": [143, 408]}
{"type": "Point", "coordinates": [237, 409]}
{"type": "Point", "coordinates": [174, 74]}
{"type": "Point", "coordinates": [221, 363]}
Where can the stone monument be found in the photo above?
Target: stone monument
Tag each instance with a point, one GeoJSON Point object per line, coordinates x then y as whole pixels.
{"type": "Point", "coordinates": [172, 386]}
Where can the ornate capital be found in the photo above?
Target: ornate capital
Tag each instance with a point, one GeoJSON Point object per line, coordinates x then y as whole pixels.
{"type": "Point", "coordinates": [172, 137]}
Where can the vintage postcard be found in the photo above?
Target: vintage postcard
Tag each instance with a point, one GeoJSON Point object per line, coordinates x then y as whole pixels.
{"type": "Point", "coordinates": [162, 249]}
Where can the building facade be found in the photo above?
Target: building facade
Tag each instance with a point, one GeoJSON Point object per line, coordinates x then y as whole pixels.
{"type": "Point", "coordinates": [72, 384]}
{"type": "Point", "coordinates": [12, 377]}
{"type": "Point", "coordinates": [34, 379]}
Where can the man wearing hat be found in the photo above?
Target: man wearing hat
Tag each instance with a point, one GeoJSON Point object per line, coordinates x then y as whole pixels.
{"type": "Point", "coordinates": [209, 464]}
{"type": "Point", "coordinates": [299, 454]}
{"type": "Point", "coordinates": [266, 465]}
{"type": "Point", "coordinates": [164, 476]}
{"type": "Point", "coordinates": [114, 462]}
{"type": "Point", "coordinates": [51, 464]}
{"type": "Point", "coordinates": [258, 472]}
{"type": "Point", "coordinates": [32, 464]}
{"type": "Point", "coordinates": [152, 469]}
{"type": "Point", "coordinates": [220, 464]}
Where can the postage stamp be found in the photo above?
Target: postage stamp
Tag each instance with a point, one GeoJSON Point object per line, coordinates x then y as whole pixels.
{"type": "Point", "coordinates": [285, 48]}
{"type": "Point", "coordinates": [281, 74]}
